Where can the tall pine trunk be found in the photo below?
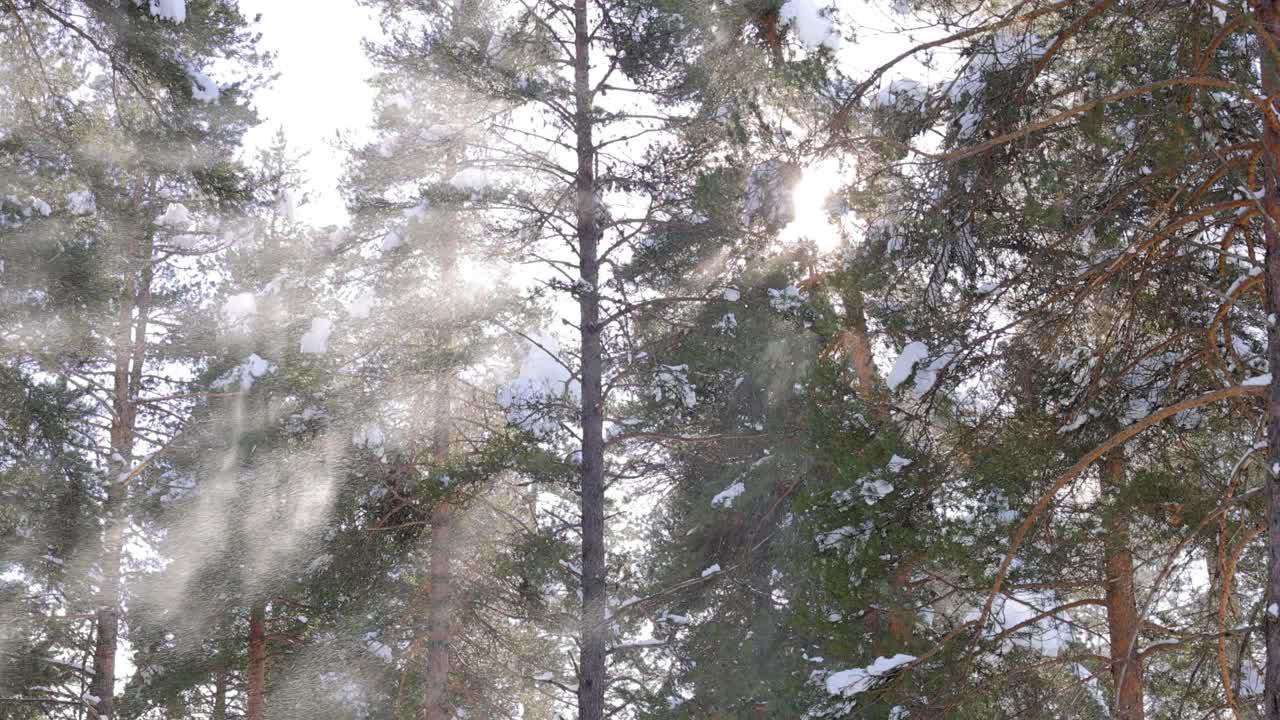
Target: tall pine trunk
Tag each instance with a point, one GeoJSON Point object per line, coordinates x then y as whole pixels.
{"type": "Point", "coordinates": [130, 356]}
{"type": "Point", "coordinates": [436, 704]}
{"type": "Point", "coordinates": [591, 685]}
{"type": "Point", "coordinates": [256, 706]}
{"type": "Point", "coordinates": [1268, 12]}
{"type": "Point", "coordinates": [107, 616]}
{"type": "Point", "coordinates": [1122, 606]}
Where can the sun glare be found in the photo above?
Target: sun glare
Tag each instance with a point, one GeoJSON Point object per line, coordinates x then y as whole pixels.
{"type": "Point", "coordinates": [812, 221]}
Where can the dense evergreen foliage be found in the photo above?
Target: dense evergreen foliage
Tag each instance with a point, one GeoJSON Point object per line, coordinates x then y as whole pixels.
{"type": "Point", "coordinates": [759, 359]}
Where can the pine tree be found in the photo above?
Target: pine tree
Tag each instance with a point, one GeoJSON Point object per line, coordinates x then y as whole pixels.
{"type": "Point", "coordinates": [232, 526]}
{"type": "Point", "coordinates": [113, 114]}
{"type": "Point", "coordinates": [552, 196]}
{"type": "Point", "coordinates": [722, 416]}
{"type": "Point", "coordinates": [1064, 229]}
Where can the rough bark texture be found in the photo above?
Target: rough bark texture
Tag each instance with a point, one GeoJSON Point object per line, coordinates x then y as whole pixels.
{"type": "Point", "coordinates": [591, 685]}
{"type": "Point", "coordinates": [1269, 14]}
{"type": "Point", "coordinates": [256, 705]}
{"type": "Point", "coordinates": [1122, 606]}
{"type": "Point", "coordinates": [107, 623]}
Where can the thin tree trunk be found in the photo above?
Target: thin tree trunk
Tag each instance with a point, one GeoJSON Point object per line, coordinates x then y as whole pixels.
{"type": "Point", "coordinates": [257, 671]}
{"type": "Point", "coordinates": [130, 356]}
{"type": "Point", "coordinates": [1122, 606]}
{"type": "Point", "coordinates": [436, 704]}
{"type": "Point", "coordinates": [591, 683]}
{"type": "Point", "coordinates": [1268, 12]}
{"type": "Point", "coordinates": [220, 695]}
{"type": "Point", "coordinates": [107, 615]}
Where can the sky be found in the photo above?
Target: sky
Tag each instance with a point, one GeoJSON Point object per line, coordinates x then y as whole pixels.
{"type": "Point", "coordinates": [321, 89]}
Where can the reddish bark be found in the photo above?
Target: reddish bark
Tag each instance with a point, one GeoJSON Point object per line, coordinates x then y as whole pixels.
{"type": "Point", "coordinates": [1268, 31]}
{"type": "Point", "coordinates": [856, 342]}
{"type": "Point", "coordinates": [1122, 606]}
{"type": "Point", "coordinates": [130, 349]}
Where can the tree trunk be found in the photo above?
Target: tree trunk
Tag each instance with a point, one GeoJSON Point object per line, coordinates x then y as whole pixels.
{"type": "Point", "coordinates": [856, 342]}
{"type": "Point", "coordinates": [591, 684]}
{"type": "Point", "coordinates": [1122, 606]}
{"type": "Point", "coordinates": [107, 615]}
{"type": "Point", "coordinates": [220, 695]}
{"type": "Point", "coordinates": [1268, 13]}
{"type": "Point", "coordinates": [436, 705]}
{"type": "Point", "coordinates": [257, 670]}
{"type": "Point", "coordinates": [130, 355]}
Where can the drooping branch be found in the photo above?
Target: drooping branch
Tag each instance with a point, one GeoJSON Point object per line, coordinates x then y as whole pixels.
{"type": "Point", "coordinates": [1035, 127]}
{"type": "Point", "coordinates": [1089, 459]}
{"type": "Point", "coordinates": [879, 72]}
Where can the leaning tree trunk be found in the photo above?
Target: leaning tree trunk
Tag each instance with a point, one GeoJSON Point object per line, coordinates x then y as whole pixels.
{"type": "Point", "coordinates": [130, 356]}
{"type": "Point", "coordinates": [1268, 12]}
{"type": "Point", "coordinates": [1122, 605]}
{"type": "Point", "coordinates": [591, 683]}
{"type": "Point", "coordinates": [256, 704]}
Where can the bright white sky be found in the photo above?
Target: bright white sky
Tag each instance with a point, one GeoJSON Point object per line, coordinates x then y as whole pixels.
{"type": "Point", "coordinates": [321, 89]}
